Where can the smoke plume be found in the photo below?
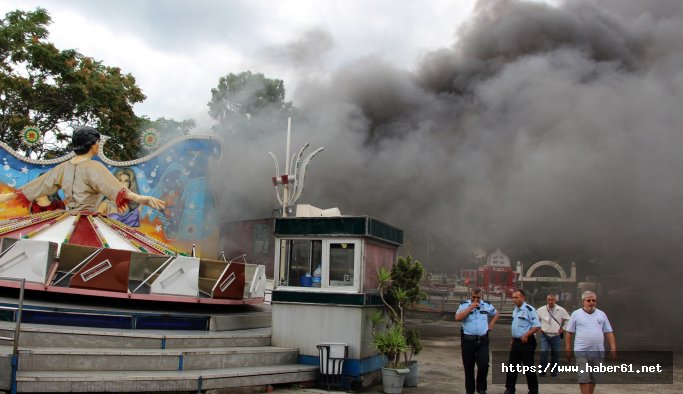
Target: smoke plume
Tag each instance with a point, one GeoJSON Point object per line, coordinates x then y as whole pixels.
{"type": "Point", "coordinates": [553, 132]}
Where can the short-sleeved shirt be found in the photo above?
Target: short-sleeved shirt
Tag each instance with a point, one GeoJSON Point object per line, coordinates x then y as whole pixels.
{"type": "Point", "coordinates": [523, 319]}
{"type": "Point", "coordinates": [589, 329]}
{"type": "Point", "coordinates": [477, 322]}
{"type": "Point", "coordinates": [551, 319]}
{"type": "Point", "coordinates": [82, 183]}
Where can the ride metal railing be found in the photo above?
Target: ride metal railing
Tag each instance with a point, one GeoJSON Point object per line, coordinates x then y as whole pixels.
{"type": "Point", "coordinates": [17, 329]}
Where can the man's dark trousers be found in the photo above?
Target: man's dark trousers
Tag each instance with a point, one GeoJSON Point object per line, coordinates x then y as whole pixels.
{"type": "Point", "coordinates": [522, 354]}
{"type": "Point", "coordinates": [475, 351]}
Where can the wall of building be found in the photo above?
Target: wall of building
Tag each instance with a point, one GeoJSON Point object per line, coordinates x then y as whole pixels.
{"type": "Point", "coordinates": [305, 326]}
{"type": "Point", "coordinates": [251, 237]}
{"type": "Point", "coordinates": [376, 255]}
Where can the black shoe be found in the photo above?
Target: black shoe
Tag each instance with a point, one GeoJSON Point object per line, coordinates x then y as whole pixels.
{"type": "Point", "coordinates": [542, 374]}
{"type": "Point", "coordinates": [509, 392]}
{"type": "Point", "coordinates": [482, 392]}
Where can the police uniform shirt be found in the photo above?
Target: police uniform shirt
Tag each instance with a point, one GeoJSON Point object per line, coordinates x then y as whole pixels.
{"type": "Point", "coordinates": [523, 318]}
{"type": "Point", "coordinates": [477, 322]}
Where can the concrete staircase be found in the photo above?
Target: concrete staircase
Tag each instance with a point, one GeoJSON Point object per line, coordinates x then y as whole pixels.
{"type": "Point", "coordinates": [76, 359]}
{"type": "Point", "coordinates": [505, 310]}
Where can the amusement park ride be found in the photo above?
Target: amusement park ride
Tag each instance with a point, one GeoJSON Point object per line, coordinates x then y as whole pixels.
{"type": "Point", "coordinates": [95, 254]}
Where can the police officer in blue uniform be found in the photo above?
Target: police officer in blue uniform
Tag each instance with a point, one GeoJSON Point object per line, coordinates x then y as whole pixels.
{"type": "Point", "coordinates": [478, 318]}
{"type": "Point", "coordinates": [525, 323]}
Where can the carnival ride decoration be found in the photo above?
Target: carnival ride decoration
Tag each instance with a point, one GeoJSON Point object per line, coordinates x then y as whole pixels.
{"type": "Point", "coordinates": [31, 135]}
{"type": "Point", "coordinates": [294, 180]}
{"type": "Point", "coordinates": [89, 253]}
{"type": "Point", "coordinates": [150, 139]}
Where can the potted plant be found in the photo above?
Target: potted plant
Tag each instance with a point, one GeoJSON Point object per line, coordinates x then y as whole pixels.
{"type": "Point", "coordinates": [400, 289]}
{"type": "Point", "coordinates": [390, 343]}
{"type": "Point", "coordinates": [414, 347]}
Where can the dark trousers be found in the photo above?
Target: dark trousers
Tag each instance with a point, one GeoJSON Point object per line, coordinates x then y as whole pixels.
{"type": "Point", "coordinates": [475, 352]}
{"type": "Point", "coordinates": [522, 354]}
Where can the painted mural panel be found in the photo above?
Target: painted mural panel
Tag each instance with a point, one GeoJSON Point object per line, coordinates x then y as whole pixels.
{"type": "Point", "coordinates": [177, 173]}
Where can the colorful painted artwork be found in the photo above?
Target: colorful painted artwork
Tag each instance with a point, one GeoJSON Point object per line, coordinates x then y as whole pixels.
{"type": "Point", "coordinates": [177, 173]}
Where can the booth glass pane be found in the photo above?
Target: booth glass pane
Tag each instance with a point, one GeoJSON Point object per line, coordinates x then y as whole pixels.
{"type": "Point", "coordinates": [303, 256]}
{"type": "Point", "coordinates": [341, 264]}
{"type": "Point", "coordinates": [283, 273]}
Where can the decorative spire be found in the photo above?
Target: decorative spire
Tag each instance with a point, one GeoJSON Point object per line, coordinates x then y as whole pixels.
{"type": "Point", "coordinates": [292, 183]}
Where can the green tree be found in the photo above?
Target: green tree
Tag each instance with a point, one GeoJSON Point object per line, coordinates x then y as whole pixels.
{"type": "Point", "coordinates": [403, 292]}
{"type": "Point", "coordinates": [168, 128]}
{"type": "Point", "coordinates": [406, 274]}
{"type": "Point", "coordinates": [247, 102]}
{"type": "Point", "coordinates": [55, 90]}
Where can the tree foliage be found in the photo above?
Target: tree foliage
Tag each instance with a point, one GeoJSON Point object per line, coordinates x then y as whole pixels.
{"type": "Point", "coordinates": [400, 289]}
{"type": "Point", "coordinates": [406, 274]}
{"type": "Point", "coordinates": [55, 90]}
{"type": "Point", "coordinates": [247, 102]}
{"type": "Point", "coordinates": [168, 128]}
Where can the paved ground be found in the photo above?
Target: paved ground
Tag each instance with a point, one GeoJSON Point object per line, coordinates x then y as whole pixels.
{"type": "Point", "coordinates": [441, 366]}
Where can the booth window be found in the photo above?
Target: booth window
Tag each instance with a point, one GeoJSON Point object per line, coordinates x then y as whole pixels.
{"type": "Point", "coordinates": [319, 263]}
{"type": "Point", "coordinates": [341, 264]}
{"type": "Point", "coordinates": [298, 260]}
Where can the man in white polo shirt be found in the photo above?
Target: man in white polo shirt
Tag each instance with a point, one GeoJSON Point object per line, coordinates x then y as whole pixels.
{"type": "Point", "coordinates": [553, 321]}
{"type": "Point", "coordinates": [591, 327]}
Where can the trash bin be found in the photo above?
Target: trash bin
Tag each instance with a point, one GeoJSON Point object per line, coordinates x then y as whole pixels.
{"type": "Point", "coordinates": [332, 357]}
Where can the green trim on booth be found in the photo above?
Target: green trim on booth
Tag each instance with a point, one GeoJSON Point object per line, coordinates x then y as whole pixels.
{"type": "Point", "coordinates": [307, 297]}
{"type": "Point", "coordinates": [358, 226]}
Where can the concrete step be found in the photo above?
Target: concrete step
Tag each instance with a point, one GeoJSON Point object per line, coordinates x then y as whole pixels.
{"type": "Point", "coordinates": [236, 351]}
{"type": "Point", "coordinates": [42, 335]}
{"type": "Point", "coordinates": [241, 321]}
{"type": "Point", "coordinates": [75, 359]}
{"type": "Point", "coordinates": [148, 381]}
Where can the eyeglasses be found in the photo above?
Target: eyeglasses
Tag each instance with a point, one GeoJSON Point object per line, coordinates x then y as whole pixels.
{"type": "Point", "coordinates": [475, 297]}
{"type": "Point", "coordinates": [591, 300]}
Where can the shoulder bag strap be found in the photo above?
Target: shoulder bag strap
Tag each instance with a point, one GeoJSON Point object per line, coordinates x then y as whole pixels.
{"type": "Point", "coordinates": [551, 315]}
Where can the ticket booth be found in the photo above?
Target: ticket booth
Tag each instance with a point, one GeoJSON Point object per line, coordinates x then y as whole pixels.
{"type": "Point", "coordinates": [325, 286]}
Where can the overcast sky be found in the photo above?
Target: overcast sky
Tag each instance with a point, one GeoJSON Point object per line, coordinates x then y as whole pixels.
{"type": "Point", "coordinates": [178, 49]}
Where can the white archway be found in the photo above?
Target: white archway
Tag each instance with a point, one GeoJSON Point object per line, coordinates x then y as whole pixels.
{"type": "Point", "coordinates": [547, 263]}
{"type": "Point", "coordinates": [562, 274]}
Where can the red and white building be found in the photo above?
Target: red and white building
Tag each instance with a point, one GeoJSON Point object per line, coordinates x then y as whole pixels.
{"type": "Point", "coordinates": [497, 275]}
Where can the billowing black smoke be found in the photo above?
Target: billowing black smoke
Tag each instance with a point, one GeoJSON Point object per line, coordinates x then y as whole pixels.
{"type": "Point", "coordinates": [551, 132]}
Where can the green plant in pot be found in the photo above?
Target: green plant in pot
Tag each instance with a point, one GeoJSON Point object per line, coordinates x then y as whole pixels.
{"type": "Point", "coordinates": [390, 343]}
{"type": "Point", "coordinates": [400, 289]}
{"type": "Point", "coordinates": [414, 347]}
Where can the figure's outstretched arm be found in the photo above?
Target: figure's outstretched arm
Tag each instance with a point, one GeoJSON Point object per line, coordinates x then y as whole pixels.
{"type": "Point", "coordinates": [150, 201]}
